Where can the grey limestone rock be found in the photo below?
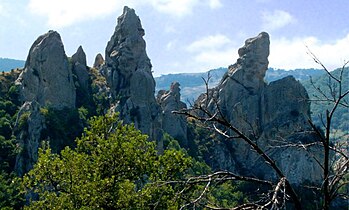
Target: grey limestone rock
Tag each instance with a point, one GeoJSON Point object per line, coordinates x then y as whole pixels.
{"type": "Point", "coordinates": [46, 77]}
{"type": "Point", "coordinates": [173, 124]}
{"type": "Point", "coordinates": [127, 70]}
{"type": "Point", "coordinates": [30, 122]}
{"type": "Point", "coordinates": [80, 69]}
{"type": "Point", "coordinates": [79, 57]}
{"type": "Point", "coordinates": [271, 114]}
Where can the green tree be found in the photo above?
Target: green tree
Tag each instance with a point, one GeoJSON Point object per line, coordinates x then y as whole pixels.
{"type": "Point", "coordinates": [113, 166]}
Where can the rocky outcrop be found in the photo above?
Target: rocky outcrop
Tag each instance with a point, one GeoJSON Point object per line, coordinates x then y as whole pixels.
{"type": "Point", "coordinates": [30, 122]}
{"type": "Point", "coordinates": [79, 57]}
{"type": "Point", "coordinates": [173, 124]}
{"type": "Point", "coordinates": [80, 70]}
{"type": "Point", "coordinates": [99, 61]}
{"type": "Point", "coordinates": [127, 70]}
{"type": "Point", "coordinates": [271, 114]}
{"type": "Point", "coordinates": [47, 78]}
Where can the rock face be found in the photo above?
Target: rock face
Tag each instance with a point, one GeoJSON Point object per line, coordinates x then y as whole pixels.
{"type": "Point", "coordinates": [271, 114]}
{"type": "Point", "coordinates": [127, 70]}
{"type": "Point", "coordinates": [175, 125]}
{"type": "Point", "coordinates": [79, 57]}
{"type": "Point", "coordinates": [46, 77]}
{"type": "Point", "coordinates": [80, 70]}
{"type": "Point", "coordinates": [45, 81]}
{"type": "Point", "coordinates": [30, 122]}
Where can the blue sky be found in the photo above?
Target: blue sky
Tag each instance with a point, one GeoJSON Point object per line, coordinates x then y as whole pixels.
{"type": "Point", "coordinates": [186, 35]}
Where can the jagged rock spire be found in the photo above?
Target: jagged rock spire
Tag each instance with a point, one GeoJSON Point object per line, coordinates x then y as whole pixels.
{"type": "Point", "coordinates": [127, 70]}
{"type": "Point", "coordinates": [79, 57]}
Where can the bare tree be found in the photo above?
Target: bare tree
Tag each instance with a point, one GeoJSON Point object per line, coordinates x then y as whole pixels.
{"type": "Point", "coordinates": [334, 164]}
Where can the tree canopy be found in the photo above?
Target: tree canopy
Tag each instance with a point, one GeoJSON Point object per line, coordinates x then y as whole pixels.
{"type": "Point", "coordinates": [113, 166]}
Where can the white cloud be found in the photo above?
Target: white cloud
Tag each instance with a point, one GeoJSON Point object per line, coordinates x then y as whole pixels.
{"type": "Point", "coordinates": [178, 8]}
{"type": "Point", "coordinates": [219, 51]}
{"type": "Point", "coordinates": [292, 53]}
{"type": "Point", "coordinates": [4, 10]}
{"type": "Point", "coordinates": [66, 12]}
{"type": "Point", "coordinates": [214, 4]}
{"type": "Point", "coordinates": [212, 52]}
{"type": "Point", "coordinates": [216, 58]}
{"type": "Point", "coordinates": [171, 45]}
{"type": "Point", "coordinates": [209, 43]}
{"type": "Point", "coordinates": [275, 20]}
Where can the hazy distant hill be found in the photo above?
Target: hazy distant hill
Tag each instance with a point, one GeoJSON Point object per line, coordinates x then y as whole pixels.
{"type": "Point", "coordinates": [6, 64]}
{"type": "Point", "coordinates": [341, 116]}
{"type": "Point", "coordinates": [192, 84]}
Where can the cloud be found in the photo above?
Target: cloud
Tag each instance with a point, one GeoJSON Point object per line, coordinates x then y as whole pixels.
{"type": "Point", "coordinates": [212, 42]}
{"type": "Point", "coordinates": [171, 45]}
{"type": "Point", "coordinates": [214, 4]}
{"type": "Point", "coordinates": [292, 53]}
{"type": "Point", "coordinates": [275, 20]}
{"type": "Point", "coordinates": [178, 8]}
{"type": "Point", "coordinates": [285, 53]}
{"type": "Point", "coordinates": [67, 12]}
{"type": "Point", "coordinates": [211, 52]}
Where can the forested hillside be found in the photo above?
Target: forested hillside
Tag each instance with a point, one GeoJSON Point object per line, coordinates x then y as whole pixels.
{"type": "Point", "coordinates": [192, 84]}
{"type": "Point", "coordinates": [319, 86]}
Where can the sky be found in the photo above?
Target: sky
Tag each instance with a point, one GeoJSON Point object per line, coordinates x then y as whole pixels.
{"type": "Point", "coordinates": [186, 35]}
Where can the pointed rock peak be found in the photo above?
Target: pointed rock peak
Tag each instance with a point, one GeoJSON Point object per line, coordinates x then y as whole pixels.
{"type": "Point", "coordinates": [175, 90]}
{"type": "Point", "coordinates": [250, 68]}
{"type": "Point", "coordinates": [47, 78]}
{"type": "Point", "coordinates": [99, 61]}
{"type": "Point", "coordinates": [44, 44]}
{"type": "Point", "coordinates": [130, 22]}
{"type": "Point", "coordinates": [79, 56]}
{"type": "Point", "coordinates": [175, 86]}
{"type": "Point", "coordinates": [260, 42]}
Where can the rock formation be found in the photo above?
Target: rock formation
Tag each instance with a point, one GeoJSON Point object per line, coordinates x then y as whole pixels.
{"type": "Point", "coordinates": [99, 61]}
{"type": "Point", "coordinates": [30, 122]}
{"type": "Point", "coordinates": [80, 70]}
{"type": "Point", "coordinates": [45, 81]}
{"type": "Point", "coordinates": [271, 114]}
{"type": "Point", "coordinates": [46, 77]}
{"type": "Point", "coordinates": [175, 125]}
{"type": "Point", "coordinates": [127, 70]}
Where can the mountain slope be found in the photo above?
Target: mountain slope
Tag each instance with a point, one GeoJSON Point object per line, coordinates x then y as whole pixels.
{"type": "Point", "coordinates": [317, 88]}
{"type": "Point", "coordinates": [192, 84]}
{"type": "Point", "coordinates": [6, 64]}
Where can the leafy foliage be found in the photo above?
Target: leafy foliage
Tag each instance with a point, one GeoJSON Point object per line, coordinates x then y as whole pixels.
{"type": "Point", "coordinates": [10, 196]}
{"type": "Point", "coordinates": [113, 166]}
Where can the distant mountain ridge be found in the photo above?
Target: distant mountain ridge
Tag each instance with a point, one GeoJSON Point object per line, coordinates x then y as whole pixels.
{"type": "Point", "coordinates": [6, 64]}
{"type": "Point", "coordinates": [192, 84]}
